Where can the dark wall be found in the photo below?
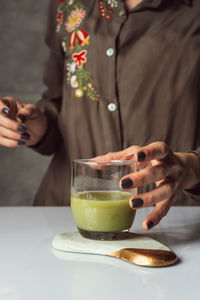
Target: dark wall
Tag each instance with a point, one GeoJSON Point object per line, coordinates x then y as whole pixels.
{"type": "Point", "coordinates": [22, 57]}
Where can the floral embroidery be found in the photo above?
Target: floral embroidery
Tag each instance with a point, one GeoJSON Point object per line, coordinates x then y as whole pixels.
{"type": "Point", "coordinates": [59, 19]}
{"type": "Point", "coordinates": [80, 36]}
{"type": "Point", "coordinates": [106, 8]}
{"type": "Point", "coordinates": [74, 19]}
{"type": "Point", "coordinates": [80, 58]}
{"type": "Point", "coordinates": [76, 39]}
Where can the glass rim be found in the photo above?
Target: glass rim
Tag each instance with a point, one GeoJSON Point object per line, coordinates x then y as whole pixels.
{"type": "Point", "coordinates": [112, 162]}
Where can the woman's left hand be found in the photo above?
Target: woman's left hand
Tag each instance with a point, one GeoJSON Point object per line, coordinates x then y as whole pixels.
{"type": "Point", "coordinates": [171, 172]}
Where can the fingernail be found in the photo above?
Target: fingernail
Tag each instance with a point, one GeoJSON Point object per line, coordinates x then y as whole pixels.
{"type": "Point", "coordinates": [21, 128]}
{"type": "Point", "coordinates": [20, 142]}
{"type": "Point", "coordinates": [141, 156]}
{"type": "Point", "coordinates": [25, 136]}
{"type": "Point", "coordinates": [127, 183]}
{"type": "Point", "coordinates": [22, 117]}
{"type": "Point", "coordinates": [5, 111]}
{"type": "Point", "coordinates": [149, 225]}
{"type": "Point", "coordinates": [137, 202]}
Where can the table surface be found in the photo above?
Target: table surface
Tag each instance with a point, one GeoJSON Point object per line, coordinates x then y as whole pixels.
{"type": "Point", "coordinates": [30, 270]}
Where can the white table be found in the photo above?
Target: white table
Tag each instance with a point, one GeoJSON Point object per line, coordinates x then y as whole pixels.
{"type": "Point", "coordinates": [30, 271]}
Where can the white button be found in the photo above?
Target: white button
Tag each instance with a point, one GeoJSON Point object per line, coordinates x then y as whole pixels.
{"type": "Point", "coordinates": [121, 13]}
{"type": "Point", "coordinates": [112, 106]}
{"type": "Point", "coordinates": [110, 51]}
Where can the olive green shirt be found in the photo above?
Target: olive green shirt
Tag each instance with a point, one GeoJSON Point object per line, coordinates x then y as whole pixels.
{"type": "Point", "coordinates": [116, 79]}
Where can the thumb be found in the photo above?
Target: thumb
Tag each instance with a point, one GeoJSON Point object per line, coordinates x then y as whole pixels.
{"type": "Point", "coordinates": [28, 112]}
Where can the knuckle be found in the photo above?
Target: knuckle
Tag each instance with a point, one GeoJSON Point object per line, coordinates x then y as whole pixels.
{"type": "Point", "coordinates": [109, 155]}
{"type": "Point", "coordinates": [150, 199]}
{"type": "Point", "coordinates": [163, 148]}
{"type": "Point", "coordinates": [13, 125]}
{"type": "Point", "coordinates": [15, 136]}
{"type": "Point", "coordinates": [179, 171]}
{"type": "Point", "coordinates": [162, 171]}
{"type": "Point", "coordinates": [170, 188]}
{"type": "Point", "coordinates": [142, 179]}
{"type": "Point", "coordinates": [162, 212]}
{"type": "Point", "coordinates": [163, 145]}
{"type": "Point", "coordinates": [10, 144]}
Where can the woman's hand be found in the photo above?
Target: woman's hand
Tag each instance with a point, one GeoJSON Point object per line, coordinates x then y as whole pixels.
{"type": "Point", "coordinates": [171, 172]}
{"type": "Point", "coordinates": [20, 123]}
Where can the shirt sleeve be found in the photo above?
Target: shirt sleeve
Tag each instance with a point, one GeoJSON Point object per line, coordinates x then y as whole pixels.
{"type": "Point", "coordinates": [194, 194]}
{"type": "Point", "coordinates": [51, 100]}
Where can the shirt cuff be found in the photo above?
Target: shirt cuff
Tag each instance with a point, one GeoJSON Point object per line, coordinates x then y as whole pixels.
{"type": "Point", "coordinates": [51, 140]}
{"type": "Point", "coordinates": [194, 194]}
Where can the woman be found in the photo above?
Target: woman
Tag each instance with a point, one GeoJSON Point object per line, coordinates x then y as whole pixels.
{"type": "Point", "coordinates": [120, 73]}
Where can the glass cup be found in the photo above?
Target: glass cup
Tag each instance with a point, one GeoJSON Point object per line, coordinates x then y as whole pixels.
{"type": "Point", "coordinates": [99, 207]}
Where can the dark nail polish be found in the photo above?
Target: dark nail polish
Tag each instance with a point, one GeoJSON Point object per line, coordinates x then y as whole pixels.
{"type": "Point", "coordinates": [22, 117]}
{"type": "Point", "coordinates": [149, 225]}
{"type": "Point", "coordinates": [20, 142]}
{"type": "Point", "coordinates": [25, 136]}
{"type": "Point", "coordinates": [127, 183]}
{"type": "Point", "coordinates": [21, 128]}
{"type": "Point", "coordinates": [141, 156]}
{"type": "Point", "coordinates": [137, 202]}
{"type": "Point", "coordinates": [5, 111]}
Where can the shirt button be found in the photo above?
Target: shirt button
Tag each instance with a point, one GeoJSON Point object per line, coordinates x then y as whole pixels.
{"type": "Point", "coordinates": [112, 107]}
{"type": "Point", "coordinates": [121, 13]}
{"type": "Point", "coordinates": [110, 51]}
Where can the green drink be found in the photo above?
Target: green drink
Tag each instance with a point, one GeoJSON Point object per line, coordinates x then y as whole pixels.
{"type": "Point", "coordinates": [102, 211]}
{"type": "Point", "coordinates": [100, 206]}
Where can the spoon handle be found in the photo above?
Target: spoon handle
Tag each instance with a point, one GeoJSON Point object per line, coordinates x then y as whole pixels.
{"type": "Point", "coordinates": [146, 257]}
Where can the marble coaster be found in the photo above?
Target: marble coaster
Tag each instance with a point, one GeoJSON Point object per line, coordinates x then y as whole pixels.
{"type": "Point", "coordinates": [134, 248]}
{"type": "Point", "coordinates": [74, 242]}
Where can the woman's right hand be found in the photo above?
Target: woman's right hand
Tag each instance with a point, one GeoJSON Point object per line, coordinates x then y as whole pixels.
{"type": "Point", "coordinates": [20, 123]}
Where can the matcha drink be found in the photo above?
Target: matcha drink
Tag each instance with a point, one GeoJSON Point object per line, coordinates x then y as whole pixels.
{"type": "Point", "coordinates": [102, 211]}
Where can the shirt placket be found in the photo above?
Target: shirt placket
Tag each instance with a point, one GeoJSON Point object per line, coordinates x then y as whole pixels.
{"type": "Point", "coordinates": [111, 100]}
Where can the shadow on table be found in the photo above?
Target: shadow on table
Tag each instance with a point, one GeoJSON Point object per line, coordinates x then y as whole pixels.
{"type": "Point", "coordinates": [177, 235]}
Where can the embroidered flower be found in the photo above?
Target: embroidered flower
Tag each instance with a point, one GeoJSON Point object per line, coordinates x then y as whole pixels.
{"type": "Point", "coordinates": [83, 37]}
{"type": "Point", "coordinates": [72, 40]}
{"type": "Point", "coordinates": [113, 3]}
{"type": "Point", "coordinates": [74, 19]}
{"type": "Point", "coordinates": [80, 36]}
{"type": "Point", "coordinates": [64, 46]}
{"type": "Point", "coordinates": [68, 72]}
{"type": "Point", "coordinates": [59, 17]}
{"type": "Point", "coordinates": [72, 67]}
{"type": "Point", "coordinates": [79, 93]}
{"type": "Point", "coordinates": [106, 8]}
{"type": "Point", "coordinates": [80, 58]}
{"type": "Point", "coordinates": [74, 82]}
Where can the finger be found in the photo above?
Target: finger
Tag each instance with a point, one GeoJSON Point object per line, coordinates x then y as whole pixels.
{"type": "Point", "coordinates": [8, 123]}
{"type": "Point", "coordinates": [14, 135]}
{"type": "Point", "coordinates": [11, 143]}
{"type": "Point", "coordinates": [10, 106]}
{"type": "Point", "coordinates": [164, 191]}
{"type": "Point", "coordinates": [125, 154]}
{"type": "Point", "coordinates": [145, 176]}
{"type": "Point", "coordinates": [4, 109]}
{"type": "Point", "coordinates": [29, 111]}
{"type": "Point", "coordinates": [7, 101]}
{"type": "Point", "coordinates": [160, 211]}
{"type": "Point", "coordinates": [157, 150]}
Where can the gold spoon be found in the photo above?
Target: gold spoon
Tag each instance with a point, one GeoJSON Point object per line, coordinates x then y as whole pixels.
{"type": "Point", "coordinates": [146, 257]}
